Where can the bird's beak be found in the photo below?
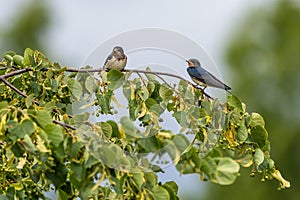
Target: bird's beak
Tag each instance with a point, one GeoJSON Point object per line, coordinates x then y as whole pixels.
{"type": "Point", "coordinates": [187, 61]}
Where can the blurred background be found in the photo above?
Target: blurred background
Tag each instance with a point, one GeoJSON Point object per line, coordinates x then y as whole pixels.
{"type": "Point", "coordinates": [255, 44]}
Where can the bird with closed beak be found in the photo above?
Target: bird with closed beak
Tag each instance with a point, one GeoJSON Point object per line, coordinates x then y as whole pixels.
{"type": "Point", "coordinates": [116, 60]}
{"type": "Point", "coordinates": [202, 77]}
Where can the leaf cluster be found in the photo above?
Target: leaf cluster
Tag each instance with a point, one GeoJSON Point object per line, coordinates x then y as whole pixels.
{"type": "Point", "coordinates": [44, 144]}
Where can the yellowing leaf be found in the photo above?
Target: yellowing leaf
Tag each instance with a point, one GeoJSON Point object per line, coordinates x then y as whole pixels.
{"type": "Point", "coordinates": [247, 161]}
{"type": "Point", "coordinates": [143, 112]}
{"type": "Point", "coordinates": [121, 131]}
{"type": "Point", "coordinates": [166, 135]}
{"type": "Point", "coordinates": [17, 186]}
{"type": "Point", "coordinates": [205, 136]}
{"type": "Point", "coordinates": [2, 124]}
{"type": "Point", "coordinates": [283, 183]}
{"type": "Point", "coordinates": [40, 145]}
{"type": "Point", "coordinates": [230, 136]}
{"type": "Point", "coordinates": [21, 163]}
{"type": "Point", "coordinates": [132, 93]}
{"type": "Point", "coordinates": [114, 99]}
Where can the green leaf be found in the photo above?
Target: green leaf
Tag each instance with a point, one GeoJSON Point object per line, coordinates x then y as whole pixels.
{"type": "Point", "coordinates": [25, 128]}
{"type": "Point", "coordinates": [183, 85]}
{"type": "Point", "coordinates": [142, 93]}
{"type": "Point", "coordinates": [115, 129]}
{"type": "Point", "coordinates": [116, 79]}
{"type": "Point", "coordinates": [242, 133]}
{"type": "Point", "coordinates": [181, 142]}
{"type": "Point", "coordinates": [77, 171]}
{"type": "Point", "coordinates": [172, 188]}
{"type": "Point", "coordinates": [75, 148]}
{"type": "Point", "coordinates": [107, 155]}
{"type": "Point", "coordinates": [151, 86]}
{"type": "Point", "coordinates": [125, 164]}
{"type": "Point", "coordinates": [258, 156]}
{"type": "Point", "coordinates": [43, 118]}
{"type": "Point", "coordinates": [150, 179]}
{"type": "Point", "coordinates": [29, 99]}
{"type": "Point", "coordinates": [57, 175]}
{"type": "Point", "coordinates": [62, 194]}
{"type": "Point", "coordinates": [106, 129]}
{"type": "Point", "coordinates": [160, 193]}
{"type": "Point", "coordinates": [234, 102]}
{"type": "Point", "coordinates": [30, 147]}
{"type": "Point", "coordinates": [54, 85]}
{"type": "Point", "coordinates": [118, 184]}
{"type": "Point", "coordinates": [75, 88]}
{"type": "Point", "coordinates": [3, 197]}
{"type": "Point", "coordinates": [149, 144]}
{"type": "Point", "coordinates": [181, 118]}
{"type": "Point", "coordinates": [256, 120]}
{"type": "Point", "coordinates": [138, 179]}
{"type": "Point", "coordinates": [90, 84]}
{"type": "Point", "coordinates": [18, 60]}
{"type": "Point", "coordinates": [55, 133]}
{"type": "Point", "coordinates": [259, 135]}
{"type": "Point", "coordinates": [128, 126]}
{"type": "Point", "coordinates": [149, 76]}
{"type": "Point", "coordinates": [81, 119]}
{"type": "Point", "coordinates": [153, 106]}
{"type": "Point", "coordinates": [86, 191]}
{"type": "Point", "coordinates": [176, 146]}
{"type": "Point", "coordinates": [165, 92]}
{"type": "Point", "coordinates": [28, 57]}
{"type": "Point", "coordinates": [227, 171]}
{"type": "Point", "coordinates": [208, 166]}
{"type": "Point", "coordinates": [3, 105]}
{"type": "Point", "coordinates": [104, 101]}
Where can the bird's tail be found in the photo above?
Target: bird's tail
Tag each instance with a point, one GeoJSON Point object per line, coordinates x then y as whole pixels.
{"type": "Point", "coordinates": [227, 88]}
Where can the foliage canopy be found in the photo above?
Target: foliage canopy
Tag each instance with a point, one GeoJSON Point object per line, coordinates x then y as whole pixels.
{"type": "Point", "coordinates": [44, 144]}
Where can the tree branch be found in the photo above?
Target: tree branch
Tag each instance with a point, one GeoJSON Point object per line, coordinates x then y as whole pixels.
{"type": "Point", "coordinates": [143, 72]}
{"type": "Point", "coordinates": [16, 89]}
{"type": "Point", "coordinates": [66, 126]}
{"type": "Point", "coordinates": [20, 71]}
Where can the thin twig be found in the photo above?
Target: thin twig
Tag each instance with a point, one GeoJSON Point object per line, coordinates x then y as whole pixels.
{"type": "Point", "coordinates": [13, 87]}
{"type": "Point", "coordinates": [36, 102]}
{"type": "Point", "coordinates": [141, 78]}
{"type": "Point", "coordinates": [63, 124]}
{"type": "Point", "coordinates": [2, 78]}
{"type": "Point", "coordinates": [20, 71]}
{"type": "Point", "coordinates": [16, 89]}
{"type": "Point", "coordinates": [143, 72]}
{"type": "Point", "coordinates": [163, 80]}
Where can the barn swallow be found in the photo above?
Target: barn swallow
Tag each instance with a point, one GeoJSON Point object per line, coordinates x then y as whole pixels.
{"type": "Point", "coordinates": [116, 60]}
{"type": "Point", "coordinates": [202, 77]}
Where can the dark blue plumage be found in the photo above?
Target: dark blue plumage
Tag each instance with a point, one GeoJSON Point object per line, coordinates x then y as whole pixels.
{"type": "Point", "coordinates": [202, 77]}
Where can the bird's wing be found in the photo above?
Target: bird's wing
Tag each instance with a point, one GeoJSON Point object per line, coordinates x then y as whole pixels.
{"type": "Point", "coordinates": [108, 59]}
{"type": "Point", "coordinates": [195, 74]}
{"type": "Point", "coordinates": [208, 78]}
